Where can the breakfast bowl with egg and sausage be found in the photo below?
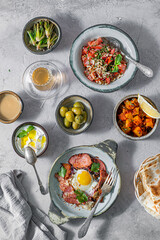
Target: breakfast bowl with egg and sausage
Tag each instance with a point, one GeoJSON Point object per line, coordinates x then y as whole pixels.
{"type": "Point", "coordinates": [76, 178]}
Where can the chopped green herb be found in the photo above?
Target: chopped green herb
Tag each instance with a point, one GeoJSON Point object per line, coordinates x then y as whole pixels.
{"type": "Point", "coordinates": [95, 167]}
{"type": "Point", "coordinates": [115, 69]}
{"type": "Point", "coordinates": [81, 196]}
{"type": "Point", "coordinates": [62, 172]}
{"type": "Point", "coordinates": [22, 134]}
{"type": "Point", "coordinates": [9, 70]}
{"type": "Point", "coordinates": [25, 132]}
{"type": "Point", "coordinates": [118, 59]}
{"type": "Point", "coordinates": [30, 128]}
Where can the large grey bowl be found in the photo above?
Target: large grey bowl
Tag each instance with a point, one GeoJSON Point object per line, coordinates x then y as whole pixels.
{"type": "Point", "coordinates": [119, 129]}
{"type": "Point", "coordinates": [26, 37]}
{"type": "Point", "coordinates": [107, 152]}
{"type": "Point", "coordinates": [107, 31]}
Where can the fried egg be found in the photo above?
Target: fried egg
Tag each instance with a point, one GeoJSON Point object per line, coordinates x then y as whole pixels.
{"type": "Point", "coordinates": [83, 180]}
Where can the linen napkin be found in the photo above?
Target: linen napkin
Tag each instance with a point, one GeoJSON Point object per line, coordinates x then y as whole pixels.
{"type": "Point", "coordinates": [19, 219]}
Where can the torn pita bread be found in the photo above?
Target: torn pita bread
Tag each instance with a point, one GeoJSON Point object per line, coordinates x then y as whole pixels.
{"type": "Point", "coordinates": [147, 185]}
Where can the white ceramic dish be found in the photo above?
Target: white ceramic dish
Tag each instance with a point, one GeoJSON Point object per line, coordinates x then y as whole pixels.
{"type": "Point", "coordinates": [103, 30]}
{"type": "Point", "coordinates": [106, 151]}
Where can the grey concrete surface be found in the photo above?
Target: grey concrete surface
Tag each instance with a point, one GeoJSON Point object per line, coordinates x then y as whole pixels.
{"type": "Point", "coordinates": [126, 219]}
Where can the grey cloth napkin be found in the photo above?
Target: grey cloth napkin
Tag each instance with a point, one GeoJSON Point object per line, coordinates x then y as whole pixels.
{"type": "Point", "coordinates": [19, 219]}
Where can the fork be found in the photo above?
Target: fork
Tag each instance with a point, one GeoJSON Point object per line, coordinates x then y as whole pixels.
{"type": "Point", "coordinates": [106, 188]}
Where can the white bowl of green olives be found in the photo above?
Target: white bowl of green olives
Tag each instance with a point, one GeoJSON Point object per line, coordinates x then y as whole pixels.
{"type": "Point", "coordinates": [74, 114]}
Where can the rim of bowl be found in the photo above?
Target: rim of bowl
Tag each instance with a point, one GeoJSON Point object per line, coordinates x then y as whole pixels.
{"type": "Point", "coordinates": [117, 126]}
{"type": "Point", "coordinates": [57, 112]}
{"type": "Point", "coordinates": [54, 46]}
{"type": "Point", "coordinates": [29, 123]}
{"type": "Point", "coordinates": [19, 99]}
{"type": "Point", "coordinates": [122, 85]}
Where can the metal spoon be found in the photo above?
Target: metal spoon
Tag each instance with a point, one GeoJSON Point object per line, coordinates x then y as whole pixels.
{"type": "Point", "coordinates": [146, 70]}
{"type": "Point", "coordinates": [31, 158]}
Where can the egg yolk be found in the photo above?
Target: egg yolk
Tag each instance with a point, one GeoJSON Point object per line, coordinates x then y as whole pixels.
{"type": "Point", "coordinates": [84, 178]}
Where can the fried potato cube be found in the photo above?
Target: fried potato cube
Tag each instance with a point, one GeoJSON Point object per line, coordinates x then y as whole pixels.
{"type": "Point", "coordinates": [129, 105]}
{"type": "Point", "coordinates": [135, 111]}
{"type": "Point", "coordinates": [137, 120]}
{"type": "Point", "coordinates": [122, 117]}
{"type": "Point", "coordinates": [129, 115]}
{"type": "Point", "coordinates": [128, 123]}
{"type": "Point", "coordinates": [126, 129]}
{"type": "Point", "coordinates": [138, 131]}
{"type": "Point", "coordinates": [135, 102]}
{"type": "Point", "coordinates": [149, 123]}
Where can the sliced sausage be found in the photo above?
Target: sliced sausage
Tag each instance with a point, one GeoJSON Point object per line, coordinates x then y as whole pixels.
{"type": "Point", "coordinates": [67, 166]}
{"type": "Point", "coordinates": [102, 170]}
{"type": "Point", "coordinates": [82, 160]}
{"type": "Point", "coordinates": [70, 197]}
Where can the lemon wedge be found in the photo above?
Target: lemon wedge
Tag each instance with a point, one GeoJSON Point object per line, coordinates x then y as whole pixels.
{"type": "Point", "coordinates": [147, 107]}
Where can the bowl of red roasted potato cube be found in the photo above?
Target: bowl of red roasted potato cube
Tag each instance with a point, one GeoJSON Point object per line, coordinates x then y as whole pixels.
{"type": "Point", "coordinates": [131, 121]}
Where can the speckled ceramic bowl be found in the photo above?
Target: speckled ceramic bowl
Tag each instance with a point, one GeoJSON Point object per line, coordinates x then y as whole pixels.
{"type": "Point", "coordinates": [26, 37]}
{"type": "Point", "coordinates": [106, 151]}
{"type": "Point", "coordinates": [68, 102]}
{"type": "Point", "coordinates": [119, 129]}
{"type": "Point", "coordinates": [103, 30]}
{"type": "Point", "coordinates": [16, 131]}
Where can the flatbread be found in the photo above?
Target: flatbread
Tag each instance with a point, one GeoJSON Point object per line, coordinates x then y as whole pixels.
{"type": "Point", "coordinates": [147, 185]}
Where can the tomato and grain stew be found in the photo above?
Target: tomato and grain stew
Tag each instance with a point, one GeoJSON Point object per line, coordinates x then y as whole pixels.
{"type": "Point", "coordinates": [103, 63]}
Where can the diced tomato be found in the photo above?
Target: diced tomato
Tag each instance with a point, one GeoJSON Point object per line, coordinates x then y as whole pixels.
{"type": "Point", "coordinates": [90, 55]}
{"type": "Point", "coordinates": [98, 47]}
{"type": "Point", "coordinates": [109, 59]}
{"type": "Point", "coordinates": [85, 62]}
{"type": "Point", "coordinates": [113, 51]}
{"type": "Point", "coordinates": [95, 42]}
{"type": "Point", "coordinates": [93, 75]}
{"type": "Point", "coordinates": [108, 80]}
{"type": "Point", "coordinates": [99, 79]}
{"type": "Point", "coordinates": [104, 55]}
{"type": "Point", "coordinates": [115, 74]}
{"type": "Point", "coordinates": [92, 51]}
{"type": "Point", "coordinates": [122, 68]}
{"type": "Point", "coordinates": [85, 50]}
{"type": "Point", "coordinates": [90, 77]}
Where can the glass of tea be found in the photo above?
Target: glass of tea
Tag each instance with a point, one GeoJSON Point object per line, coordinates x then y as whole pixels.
{"type": "Point", "coordinates": [42, 77]}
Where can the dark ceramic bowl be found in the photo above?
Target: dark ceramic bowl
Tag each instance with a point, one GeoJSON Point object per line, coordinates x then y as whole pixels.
{"type": "Point", "coordinates": [29, 25]}
{"type": "Point", "coordinates": [3, 120]}
{"type": "Point", "coordinates": [119, 129]}
{"type": "Point", "coordinates": [17, 150]}
{"type": "Point", "coordinates": [68, 102]}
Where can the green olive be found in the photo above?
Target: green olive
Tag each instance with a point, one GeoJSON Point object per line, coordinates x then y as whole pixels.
{"type": "Point", "coordinates": [70, 116]}
{"type": "Point", "coordinates": [78, 104]}
{"type": "Point", "coordinates": [77, 110]}
{"type": "Point", "coordinates": [84, 114]}
{"type": "Point", "coordinates": [63, 111]}
{"type": "Point", "coordinates": [75, 125]}
{"type": "Point", "coordinates": [67, 123]}
{"type": "Point", "coordinates": [79, 119]}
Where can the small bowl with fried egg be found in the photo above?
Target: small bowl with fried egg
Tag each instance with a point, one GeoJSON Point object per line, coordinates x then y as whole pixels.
{"type": "Point", "coordinates": [30, 134]}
